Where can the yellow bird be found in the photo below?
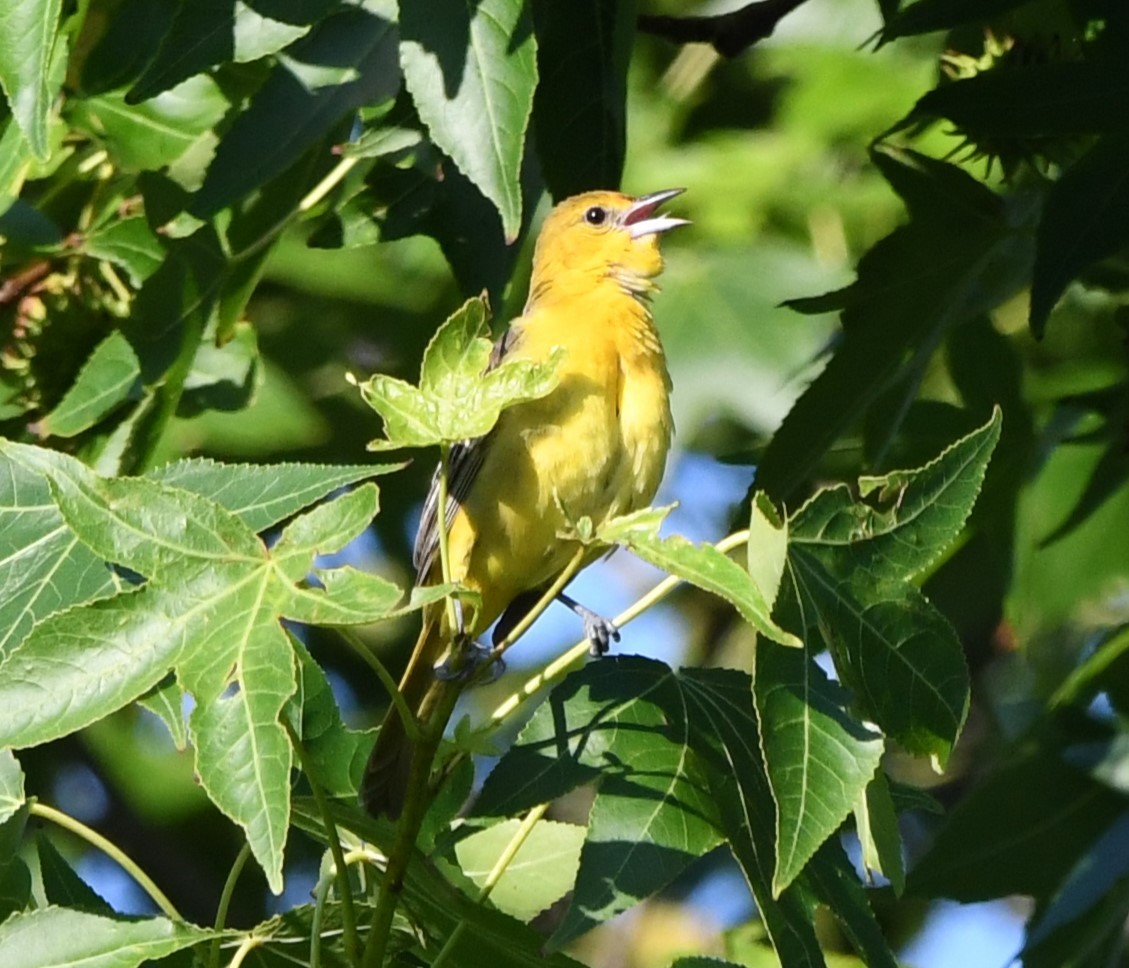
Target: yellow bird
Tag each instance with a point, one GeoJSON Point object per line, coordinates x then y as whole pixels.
{"type": "Point", "coordinates": [594, 447]}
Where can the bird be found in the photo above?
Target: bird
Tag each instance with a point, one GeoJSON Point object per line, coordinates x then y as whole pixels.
{"type": "Point", "coordinates": [595, 447]}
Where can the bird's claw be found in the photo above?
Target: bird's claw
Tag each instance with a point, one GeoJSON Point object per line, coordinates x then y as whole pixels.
{"type": "Point", "coordinates": [599, 631]}
{"type": "Point", "coordinates": [465, 659]}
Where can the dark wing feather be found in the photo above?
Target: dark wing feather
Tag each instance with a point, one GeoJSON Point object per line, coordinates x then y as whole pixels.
{"type": "Point", "coordinates": [464, 464]}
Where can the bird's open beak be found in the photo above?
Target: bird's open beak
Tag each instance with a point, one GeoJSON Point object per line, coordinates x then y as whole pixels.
{"type": "Point", "coordinates": [641, 220]}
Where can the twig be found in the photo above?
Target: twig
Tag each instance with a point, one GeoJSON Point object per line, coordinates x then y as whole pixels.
{"type": "Point", "coordinates": [407, 717]}
{"type": "Point", "coordinates": [525, 828]}
{"type": "Point", "coordinates": [225, 900]}
{"type": "Point", "coordinates": [348, 917]}
{"type": "Point", "coordinates": [112, 850]}
{"type": "Point", "coordinates": [576, 654]}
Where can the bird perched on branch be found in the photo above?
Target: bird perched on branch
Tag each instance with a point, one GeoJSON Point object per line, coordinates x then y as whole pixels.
{"type": "Point", "coordinates": [594, 447]}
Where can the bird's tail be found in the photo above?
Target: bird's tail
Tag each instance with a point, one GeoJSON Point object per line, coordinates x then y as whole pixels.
{"type": "Point", "coordinates": [389, 768]}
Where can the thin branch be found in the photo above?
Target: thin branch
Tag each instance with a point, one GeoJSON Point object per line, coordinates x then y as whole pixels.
{"type": "Point", "coordinates": [729, 33]}
{"type": "Point", "coordinates": [564, 662]}
{"type": "Point", "coordinates": [108, 847]}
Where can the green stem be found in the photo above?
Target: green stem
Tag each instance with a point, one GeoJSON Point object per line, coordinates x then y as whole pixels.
{"type": "Point", "coordinates": [416, 803]}
{"type": "Point", "coordinates": [348, 916]}
{"type": "Point", "coordinates": [321, 894]}
{"type": "Point", "coordinates": [407, 717]}
{"type": "Point", "coordinates": [328, 183]}
{"type": "Point", "coordinates": [500, 865]}
{"type": "Point", "coordinates": [111, 849]}
{"type": "Point", "coordinates": [225, 899]}
{"type": "Point", "coordinates": [250, 943]}
{"type": "Point", "coordinates": [441, 527]}
{"type": "Point", "coordinates": [543, 602]}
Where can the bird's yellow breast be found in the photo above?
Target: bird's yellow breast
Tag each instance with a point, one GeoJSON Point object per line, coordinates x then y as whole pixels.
{"type": "Point", "coordinates": [594, 447]}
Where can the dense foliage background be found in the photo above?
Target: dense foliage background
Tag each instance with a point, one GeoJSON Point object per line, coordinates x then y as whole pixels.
{"type": "Point", "coordinates": [908, 250]}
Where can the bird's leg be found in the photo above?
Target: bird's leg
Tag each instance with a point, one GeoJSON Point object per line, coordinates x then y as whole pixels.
{"type": "Point", "coordinates": [599, 631]}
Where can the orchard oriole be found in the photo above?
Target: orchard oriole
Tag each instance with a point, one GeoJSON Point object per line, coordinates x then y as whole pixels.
{"type": "Point", "coordinates": [594, 447]}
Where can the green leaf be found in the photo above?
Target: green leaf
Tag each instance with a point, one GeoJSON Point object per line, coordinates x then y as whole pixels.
{"type": "Point", "coordinates": [1035, 101]}
{"type": "Point", "coordinates": [726, 736]}
{"type": "Point", "coordinates": [107, 379]}
{"type": "Point", "coordinates": [849, 565]}
{"type": "Point", "coordinates": [28, 33]}
{"type": "Point", "coordinates": [926, 16]}
{"type": "Point", "coordinates": [964, 252]}
{"type": "Point", "coordinates": [1091, 880]}
{"type": "Point", "coordinates": [901, 521]}
{"type": "Point", "coordinates": [471, 70]}
{"type": "Point", "coordinates": [894, 650]}
{"type": "Point", "coordinates": [347, 61]}
{"type": "Point", "coordinates": [831, 877]}
{"type": "Point", "coordinates": [652, 815]}
{"type": "Point", "coordinates": [334, 754]}
{"type": "Point", "coordinates": [15, 157]}
{"type": "Point", "coordinates": [223, 377]}
{"type": "Point", "coordinates": [540, 873]}
{"type": "Point", "coordinates": [767, 547]}
{"type": "Point", "coordinates": [677, 761]}
{"type": "Point", "coordinates": [46, 568]}
{"type": "Point", "coordinates": [877, 823]}
{"type": "Point", "coordinates": [619, 722]}
{"type": "Point", "coordinates": [15, 878]}
{"type": "Point", "coordinates": [437, 906]}
{"type": "Point", "coordinates": [1021, 831]}
{"type": "Point", "coordinates": [61, 885]}
{"type": "Point", "coordinates": [458, 397]}
{"type": "Point", "coordinates": [130, 42]}
{"type": "Point", "coordinates": [818, 756]}
{"type": "Point", "coordinates": [206, 33]}
{"type": "Point", "coordinates": [55, 937]}
{"type": "Point", "coordinates": [129, 243]}
{"type": "Point", "coordinates": [154, 133]}
{"type": "Point", "coordinates": [211, 608]}
{"type": "Point", "coordinates": [701, 565]}
{"type": "Point", "coordinates": [166, 702]}
{"type": "Point", "coordinates": [1085, 219]}
{"type": "Point", "coordinates": [12, 795]}
{"type": "Point", "coordinates": [384, 140]}
{"type": "Point", "coordinates": [261, 495]}
{"type": "Point", "coordinates": [579, 107]}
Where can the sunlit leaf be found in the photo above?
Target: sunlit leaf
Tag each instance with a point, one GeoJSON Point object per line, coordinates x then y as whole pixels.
{"type": "Point", "coordinates": [55, 937]}
{"type": "Point", "coordinates": [471, 70]}
{"type": "Point", "coordinates": [153, 133]}
{"type": "Point", "coordinates": [27, 45]}
{"type": "Point", "coordinates": [211, 609]}
{"type": "Point", "coordinates": [348, 60]}
{"type": "Point", "coordinates": [818, 757]}
{"type": "Point", "coordinates": [11, 785]}
{"type": "Point", "coordinates": [459, 396]}
{"type": "Point", "coordinates": [44, 567]}
{"type": "Point", "coordinates": [704, 566]}
{"type": "Point", "coordinates": [540, 873]}
{"type": "Point", "coordinates": [849, 565]}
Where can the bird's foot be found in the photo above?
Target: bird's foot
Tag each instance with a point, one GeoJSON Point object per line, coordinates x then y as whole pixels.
{"type": "Point", "coordinates": [599, 631]}
{"type": "Point", "coordinates": [465, 659]}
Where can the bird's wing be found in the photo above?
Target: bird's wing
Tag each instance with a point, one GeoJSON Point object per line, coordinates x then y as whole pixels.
{"type": "Point", "coordinates": [463, 466]}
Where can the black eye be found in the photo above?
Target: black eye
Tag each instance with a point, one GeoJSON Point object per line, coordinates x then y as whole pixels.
{"type": "Point", "coordinates": [595, 215]}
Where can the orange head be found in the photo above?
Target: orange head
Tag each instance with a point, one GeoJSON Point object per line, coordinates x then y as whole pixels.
{"type": "Point", "coordinates": [600, 236]}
